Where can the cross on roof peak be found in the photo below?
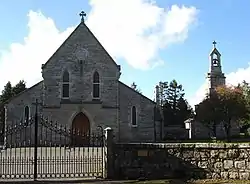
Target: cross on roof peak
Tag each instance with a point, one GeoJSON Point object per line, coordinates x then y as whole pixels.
{"type": "Point", "coordinates": [214, 43]}
{"type": "Point", "coordinates": [82, 15]}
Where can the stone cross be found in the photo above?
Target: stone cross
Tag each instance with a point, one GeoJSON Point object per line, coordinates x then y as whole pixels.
{"type": "Point", "coordinates": [82, 15]}
{"type": "Point", "coordinates": [214, 43]}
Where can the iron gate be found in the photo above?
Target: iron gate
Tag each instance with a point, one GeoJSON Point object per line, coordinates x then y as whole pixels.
{"type": "Point", "coordinates": [42, 149]}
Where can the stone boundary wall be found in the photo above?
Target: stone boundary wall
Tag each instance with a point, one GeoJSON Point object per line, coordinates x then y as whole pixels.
{"type": "Point", "coordinates": [182, 160]}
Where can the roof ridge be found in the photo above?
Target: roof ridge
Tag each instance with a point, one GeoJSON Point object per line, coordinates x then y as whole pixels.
{"type": "Point", "coordinates": [137, 92]}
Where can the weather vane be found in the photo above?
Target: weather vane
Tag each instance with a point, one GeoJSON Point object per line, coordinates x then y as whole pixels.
{"type": "Point", "coordinates": [82, 15]}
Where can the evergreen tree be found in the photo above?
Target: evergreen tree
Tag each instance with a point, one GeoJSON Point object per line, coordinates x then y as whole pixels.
{"type": "Point", "coordinates": [134, 87]}
{"type": "Point", "coordinates": [175, 108]}
{"type": "Point", "coordinates": [7, 93]}
{"type": "Point", "coordinates": [19, 87]}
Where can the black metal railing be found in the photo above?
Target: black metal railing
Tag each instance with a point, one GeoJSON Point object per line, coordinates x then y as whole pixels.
{"type": "Point", "coordinates": [45, 149]}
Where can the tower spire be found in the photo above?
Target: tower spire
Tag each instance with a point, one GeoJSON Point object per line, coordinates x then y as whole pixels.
{"type": "Point", "coordinates": [215, 75]}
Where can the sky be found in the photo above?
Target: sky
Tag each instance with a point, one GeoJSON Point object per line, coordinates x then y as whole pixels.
{"type": "Point", "coordinates": [153, 41]}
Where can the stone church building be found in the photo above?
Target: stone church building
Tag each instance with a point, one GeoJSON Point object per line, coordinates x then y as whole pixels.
{"type": "Point", "coordinates": [81, 89]}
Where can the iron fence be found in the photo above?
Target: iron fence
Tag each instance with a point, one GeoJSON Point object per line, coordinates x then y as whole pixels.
{"type": "Point", "coordinates": [42, 149]}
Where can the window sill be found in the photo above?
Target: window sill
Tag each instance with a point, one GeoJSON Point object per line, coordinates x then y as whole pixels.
{"type": "Point", "coordinates": [96, 99]}
{"type": "Point", "coordinates": [65, 98]}
{"type": "Point", "coordinates": [134, 126]}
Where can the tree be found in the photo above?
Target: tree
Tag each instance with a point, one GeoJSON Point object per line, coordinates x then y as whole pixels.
{"type": "Point", "coordinates": [244, 86]}
{"type": "Point", "coordinates": [7, 93]}
{"type": "Point", "coordinates": [233, 106]}
{"type": "Point", "coordinates": [19, 87]}
{"type": "Point", "coordinates": [175, 108]}
{"type": "Point", "coordinates": [224, 105]}
{"type": "Point", "coordinates": [208, 114]}
{"type": "Point", "coordinates": [134, 87]}
{"type": "Point", "coordinates": [184, 110]}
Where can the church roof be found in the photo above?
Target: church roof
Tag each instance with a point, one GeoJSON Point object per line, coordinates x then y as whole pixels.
{"type": "Point", "coordinates": [215, 50]}
{"type": "Point", "coordinates": [82, 27]}
{"type": "Point", "coordinates": [137, 92]}
{"type": "Point", "coordinates": [24, 91]}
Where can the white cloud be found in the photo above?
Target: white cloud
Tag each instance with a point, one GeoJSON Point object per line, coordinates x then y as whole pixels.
{"type": "Point", "coordinates": [134, 30]}
{"type": "Point", "coordinates": [241, 74]}
{"type": "Point", "coordinates": [199, 95]}
{"type": "Point", "coordinates": [232, 78]}
{"type": "Point", "coordinates": [24, 60]}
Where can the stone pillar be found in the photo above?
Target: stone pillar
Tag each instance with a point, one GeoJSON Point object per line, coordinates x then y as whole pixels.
{"type": "Point", "coordinates": [110, 154]}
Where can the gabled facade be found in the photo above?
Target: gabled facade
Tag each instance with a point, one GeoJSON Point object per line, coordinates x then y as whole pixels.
{"type": "Point", "coordinates": [81, 89]}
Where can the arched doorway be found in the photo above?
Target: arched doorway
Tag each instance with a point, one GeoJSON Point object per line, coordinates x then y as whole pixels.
{"type": "Point", "coordinates": [80, 130]}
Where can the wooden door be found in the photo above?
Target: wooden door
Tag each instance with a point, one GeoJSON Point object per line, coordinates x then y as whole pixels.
{"type": "Point", "coordinates": [80, 130]}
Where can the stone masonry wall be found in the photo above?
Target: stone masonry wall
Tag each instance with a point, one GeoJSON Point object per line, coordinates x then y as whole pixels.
{"type": "Point", "coordinates": [147, 129]}
{"type": "Point", "coordinates": [81, 55]}
{"type": "Point", "coordinates": [207, 160]}
{"type": "Point", "coordinates": [199, 131]}
{"type": "Point", "coordinates": [15, 108]}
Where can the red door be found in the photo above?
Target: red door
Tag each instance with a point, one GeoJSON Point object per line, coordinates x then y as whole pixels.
{"type": "Point", "coordinates": [80, 130]}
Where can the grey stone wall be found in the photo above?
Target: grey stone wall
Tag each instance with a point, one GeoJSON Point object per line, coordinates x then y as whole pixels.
{"type": "Point", "coordinates": [81, 54]}
{"type": "Point", "coordinates": [97, 114]}
{"type": "Point", "coordinates": [15, 108]}
{"type": "Point", "coordinates": [199, 131]}
{"type": "Point", "coordinates": [146, 127]}
{"type": "Point", "coordinates": [176, 160]}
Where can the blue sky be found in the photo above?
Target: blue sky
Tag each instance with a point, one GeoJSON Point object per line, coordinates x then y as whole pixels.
{"type": "Point", "coordinates": [182, 56]}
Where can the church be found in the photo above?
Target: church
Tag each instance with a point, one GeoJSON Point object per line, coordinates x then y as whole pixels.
{"type": "Point", "coordinates": [81, 89]}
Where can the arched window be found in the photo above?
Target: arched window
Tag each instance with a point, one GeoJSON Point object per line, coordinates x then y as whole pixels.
{"type": "Point", "coordinates": [65, 85]}
{"type": "Point", "coordinates": [96, 85]}
{"type": "Point", "coordinates": [133, 116]}
{"type": "Point", "coordinates": [26, 115]}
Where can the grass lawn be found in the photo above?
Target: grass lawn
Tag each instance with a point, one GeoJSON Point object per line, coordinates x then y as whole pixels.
{"type": "Point", "coordinates": [174, 181]}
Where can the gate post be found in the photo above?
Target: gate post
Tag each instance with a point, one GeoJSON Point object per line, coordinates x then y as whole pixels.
{"type": "Point", "coordinates": [35, 145]}
{"type": "Point", "coordinates": [110, 154]}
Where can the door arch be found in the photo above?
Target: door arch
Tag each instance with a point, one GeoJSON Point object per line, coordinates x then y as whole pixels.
{"type": "Point", "coordinates": [80, 130]}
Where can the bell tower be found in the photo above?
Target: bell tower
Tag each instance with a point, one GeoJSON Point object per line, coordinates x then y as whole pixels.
{"type": "Point", "coordinates": [215, 76]}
